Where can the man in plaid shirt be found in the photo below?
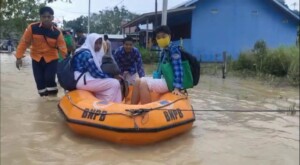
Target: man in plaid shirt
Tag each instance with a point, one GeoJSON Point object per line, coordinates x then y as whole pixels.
{"type": "Point", "coordinates": [129, 61]}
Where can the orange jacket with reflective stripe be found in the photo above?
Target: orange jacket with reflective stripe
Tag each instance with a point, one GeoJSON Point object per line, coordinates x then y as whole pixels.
{"type": "Point", "coordinates": [44, 43]}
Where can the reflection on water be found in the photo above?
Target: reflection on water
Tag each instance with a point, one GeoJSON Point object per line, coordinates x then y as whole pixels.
{"type": "Point", "coordinates": [33, 132]}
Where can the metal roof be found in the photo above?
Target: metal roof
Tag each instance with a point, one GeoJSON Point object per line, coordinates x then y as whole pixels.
{"type": "Point", "coordinates": [188, 5]}
{"type": "Point", "coordinates": [151, 15]}
{"type": "Point", "coordinates": [286, 9]}
{"type": "Point", "coordinates": [283, 7]}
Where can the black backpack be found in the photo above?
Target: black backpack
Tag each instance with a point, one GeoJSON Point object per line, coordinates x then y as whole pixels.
{"type": "Point", "coordinates": [194, 64]}
{"type": "Point", "coordinates": [109, 66]}
{"type": "Point", "coordinates": [65, 72]}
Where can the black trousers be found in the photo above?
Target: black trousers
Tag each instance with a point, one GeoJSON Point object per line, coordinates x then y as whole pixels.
{"type": "Point", "coordinates": [44, 76]}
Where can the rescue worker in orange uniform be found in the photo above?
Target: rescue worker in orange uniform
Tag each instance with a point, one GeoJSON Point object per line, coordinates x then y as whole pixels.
{"type": "Point", "coordinates": [45, 40]}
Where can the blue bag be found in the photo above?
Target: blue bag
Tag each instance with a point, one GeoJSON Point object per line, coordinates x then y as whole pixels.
{"type": "Point", "coordinates": [157, 73]}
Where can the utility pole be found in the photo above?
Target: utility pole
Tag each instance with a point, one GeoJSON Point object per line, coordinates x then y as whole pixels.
{"type": "Point", "coordinates": [63, 21]}
{"type": "Point", "coordinates": [164, 13]}
{"type": "Point", "coordinates": [155, 22]}
{"type": "Point", "coordinates": [89, 17]}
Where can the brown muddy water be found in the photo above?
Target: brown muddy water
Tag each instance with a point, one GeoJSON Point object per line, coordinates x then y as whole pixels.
{"type": "Point", "coordinates": [33, 132]}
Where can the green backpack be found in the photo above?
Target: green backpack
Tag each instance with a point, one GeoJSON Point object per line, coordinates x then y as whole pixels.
{"type": "Point", "coordinates": [69, 43]}
{"type": "Point", "coordinates": [167, 71]}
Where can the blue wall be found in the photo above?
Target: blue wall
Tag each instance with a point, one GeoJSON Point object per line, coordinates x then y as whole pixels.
{"type": "Point", "coordinates": [186, 44]}
{"type": "Point", "coordinates": [236, 26]}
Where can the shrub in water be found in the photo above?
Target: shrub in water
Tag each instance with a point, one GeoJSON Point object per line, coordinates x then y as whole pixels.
{"type": "Point", "coordinates": [246, 61]}
{"type": "Point", "coordinates": [277, 62]}
{"type": "Point", "coordinates": [148, 57]}
{"type": "Point", "coordinates": [293, 71]}
{"type": "Point", "coordinates": [260, 51]}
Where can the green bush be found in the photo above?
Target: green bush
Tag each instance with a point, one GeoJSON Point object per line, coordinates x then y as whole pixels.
{"type": "Point", "coordinates": [279, 62]}
{"type": "Point", "coordinates": [246, 61]}
{"type": "Point", "coordinates": [252, 60]}
{"type": "Point", "coordinates": [293, 71]}
{"type": "Point", "coordinates": [148, 56]}
{"type": "Point", "coordinates": [260, 52]}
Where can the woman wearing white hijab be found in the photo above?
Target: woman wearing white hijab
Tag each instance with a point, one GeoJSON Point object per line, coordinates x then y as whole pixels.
{"type": "Point", "coordinates": [89, 60]}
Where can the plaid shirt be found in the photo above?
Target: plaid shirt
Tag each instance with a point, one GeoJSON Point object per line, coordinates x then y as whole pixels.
{"type": "Point", "coordinates": [84, 62]}
{"type": "Point", "coordinates": [174, 53]}
{"type": "Point", "coordinates": [129, 62]}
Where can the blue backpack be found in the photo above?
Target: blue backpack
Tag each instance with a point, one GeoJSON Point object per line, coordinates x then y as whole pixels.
{"type": "Point", "coordinates": [65, 72]}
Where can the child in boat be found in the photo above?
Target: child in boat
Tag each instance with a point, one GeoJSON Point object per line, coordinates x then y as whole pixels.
{"type": "Point", "coordinates": [94, 79]}
{"type": "Point", "coordinates": [110, 67]}
{"type": "Point", "coordinates": [145, 85]}
{"type": "Point", "coordinates": [129, 60]}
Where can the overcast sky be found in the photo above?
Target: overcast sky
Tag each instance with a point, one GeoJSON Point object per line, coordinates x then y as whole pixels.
{"type": "Point", "coordinates": [69, 11]}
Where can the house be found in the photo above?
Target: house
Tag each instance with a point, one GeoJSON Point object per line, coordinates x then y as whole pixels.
{"type": "Point", "coordinates": [210, 27]}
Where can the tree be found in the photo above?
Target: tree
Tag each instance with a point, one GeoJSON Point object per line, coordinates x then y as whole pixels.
{"type": "Point", "coordinates": [106, 21]}
{"type": "Point", "coordinates": [16, 14]}
{"type": "Point", "coordinates": [79, 23]}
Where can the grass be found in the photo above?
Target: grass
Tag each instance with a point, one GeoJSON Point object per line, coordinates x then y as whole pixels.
{"type": "Point", "coordinates": [280, 64]}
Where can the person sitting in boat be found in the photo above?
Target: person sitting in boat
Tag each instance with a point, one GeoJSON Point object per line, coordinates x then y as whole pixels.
{"type": "Point", "coordinates": [110, 67]}
{"type": "Point", "coordinates": [145, 85]}
{"type": "Point", "coordinates": [80, 38]}
{"type": "Point", "coordinates": [88, 59]}
{"type": "Point", "coordinates": [129, 61]}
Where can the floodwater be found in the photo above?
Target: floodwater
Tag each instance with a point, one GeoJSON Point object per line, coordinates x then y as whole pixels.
{"type": "Point", "coordinates": [34, 133]}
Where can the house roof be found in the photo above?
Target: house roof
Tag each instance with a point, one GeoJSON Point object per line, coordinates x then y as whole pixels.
{"type": "Point", "coordinates": [286, 9]}
{"type": "Point", "coordinates": [151, 16]}
{"type": "Point", "coordinates": [115, 36]}
{"type": "Point", "coordinates": [283, 7]}
{"type": "Point", "coordinates": [185, 4]}
{"type": "Point", "coordinates": [189, 6]}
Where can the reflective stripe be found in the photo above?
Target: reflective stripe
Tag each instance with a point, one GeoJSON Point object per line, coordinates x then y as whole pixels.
{"type": "Point", "coordinates": [42, 90]}
{"type": "Point", "coordinates": [52, 88]}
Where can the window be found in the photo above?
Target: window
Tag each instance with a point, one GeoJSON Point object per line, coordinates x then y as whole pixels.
{"type": "Point", "coordinates": [285, 21]}
{"type": "Point", "coordinates": [214, 11]}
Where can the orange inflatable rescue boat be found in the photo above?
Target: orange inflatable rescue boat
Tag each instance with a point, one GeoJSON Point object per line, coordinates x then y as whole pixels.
{"type": "Point", "coordinates": [166, 116]}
